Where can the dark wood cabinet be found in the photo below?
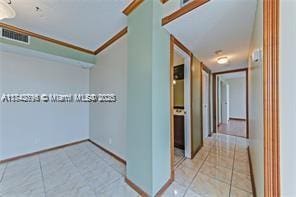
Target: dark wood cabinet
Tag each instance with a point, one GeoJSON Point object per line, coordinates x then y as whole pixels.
{"type": "Point", "coordinates": [179, 131]}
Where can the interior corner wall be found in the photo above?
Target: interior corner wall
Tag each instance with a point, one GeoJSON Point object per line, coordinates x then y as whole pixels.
{"type": "Point", "coordinates": [31, 127]}
{"type": "Point", "coordinates": [256, 130]}
{"type": "Point", "coordinates": [108, 120]}
{"type": "Point", "coordinates": [287, 97]}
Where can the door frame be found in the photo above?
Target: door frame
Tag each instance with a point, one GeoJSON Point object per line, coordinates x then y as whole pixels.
{"type": "Point", "coordinates": [209, 72]}
{"type": "Point", "coordinates": [215, 89]}
{"type": "Point", "coordinates": [271, 24]}
{"type": "Point", "coordinates": [175, 42]}
{"type": "Point", "coordinates": [187, 100]}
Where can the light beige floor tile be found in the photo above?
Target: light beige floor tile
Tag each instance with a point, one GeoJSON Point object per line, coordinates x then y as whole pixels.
{"type": "Point", "coordinates": [119, 167]}
{"type": "Point", "coordinates": [184, 175]}
{"type": "Point", "coordinates": [207, 186]}
{"type": "Point", "coordinates": [235, 192]}
{"type": "Point", "coordinates": [201, 155]}
{"type": "Point", "coordinates": [242, 156]}
{"type": "Point", "coordinates": [83, 191]}
{"type": "Point", "coordinates": [177, 159]}
{"type": "Point", "coordinates": [22, 176]}
{"type": "Point", "coordinates": [175, 190]}
{"type": "Point", "coordinates": [216, 172]}
{"type": "Point", "coordinates": [62, 181]}
{"type": "Point", "coordinates": [221, 161]}
{"type": "Point", "coordinates": [221, 153]}
{"type": "Point", "coordinates": [101, 177]}
{"type": "Point", "coordinates": [190, 193]}
{"type": "Point", "coordinates": [116, 189]}
{"type": "Point", "coordinates": [242, 182]}
{"type": "Point", "coordinates": [241, 149]}
{"type": "Point", "coordinates": [24, 191]}
{"type": "Point", "coordinates": [241, 167]}
{"type": "Point", "coordinates": [242, 142]}
{"type": "Point", "coordinates": [192, 164]}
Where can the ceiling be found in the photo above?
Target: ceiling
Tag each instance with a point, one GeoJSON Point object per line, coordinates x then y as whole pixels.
{"type": "Point", "coordinates": [225, 25]}
{"type": "Point", "coordinates": [85, 23]}
{"type": "Point", "coordinates": [233, 75]}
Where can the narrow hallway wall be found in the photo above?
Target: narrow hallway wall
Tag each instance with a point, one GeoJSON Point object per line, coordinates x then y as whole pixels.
{"type": "Point", "coordinates": [256, 129]}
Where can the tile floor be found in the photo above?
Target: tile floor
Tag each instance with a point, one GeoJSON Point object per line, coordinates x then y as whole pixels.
{"type": "Point", "coordinates": [234, 127]}
{"type": "Point", "coordinates": [220, 168]}
{"type": "Point", "coordinates": [78, 170]}
{"type": "Point", "coordinates": [179, 156]}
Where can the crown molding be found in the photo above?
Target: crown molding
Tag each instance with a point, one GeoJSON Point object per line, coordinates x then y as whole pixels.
{"type": "Point", "coordinates": [183, 10]}
{"type": "Point", "coordinates": [132, 6]}
{"type": "Point", "coordinates": [45, 38]}
{"type": "Point", "coordinates": [111, 41]}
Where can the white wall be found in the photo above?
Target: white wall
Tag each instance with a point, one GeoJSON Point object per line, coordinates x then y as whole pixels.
{"type": "Point", "coordinates": [287, 97]}
{"type": "Point", "coordinates": [108, 121]}
{"type": "Point", "coordinates": [171, 6]}
{"type": "Point", "coordinates": [30, 127]}
{"type": "Point", "coordinates": [237, 98]}
{"type": "Point", "coordinates": [256, 105]}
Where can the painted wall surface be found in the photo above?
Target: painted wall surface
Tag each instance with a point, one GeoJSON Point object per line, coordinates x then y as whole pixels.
{"type": "Point", "coordinates": [256, 105]}
{"type": "Point", "coordinates": [139, 101]}
{"type": "Point", "coordinates": [171, 6]}
{"type": "Point", "coordinates": [179, 86]}
{"type": "Point", "coordinates": [30, 127]}
{"type": "Point", "coordinates": [54, 49]}
{"type": "Point", "coordinates": [196, 105]}
{"type": "Point", "coordinates": [108, 120]}
{"type": "Point", "coordinates": [179, 93]}
{"type": "Point", "coordinates": [178, 59]}
{"type": "Point", "coordinates": [237, 97]}
{"type": "Point", "coordinates": [160, 101]}
{"type": "Point", "coordinates": [148, 113]}
{"type": "Point", "coordinates": [287, 98]}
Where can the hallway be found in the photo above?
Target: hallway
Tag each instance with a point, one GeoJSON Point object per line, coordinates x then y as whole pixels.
{"type": "Point", "coordinates": [220, 168]}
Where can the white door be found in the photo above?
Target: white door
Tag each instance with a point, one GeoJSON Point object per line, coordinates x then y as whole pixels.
{"type": "Point", "coordinates": [205, 103]}
{"type": "Point", "coordinates": [225, 102]}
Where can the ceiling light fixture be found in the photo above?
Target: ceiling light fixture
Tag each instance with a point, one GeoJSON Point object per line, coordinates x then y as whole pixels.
{"type": "Point", "coordinates": [6, 11]}
{"type": "Point", "coordinates": [222, 60]}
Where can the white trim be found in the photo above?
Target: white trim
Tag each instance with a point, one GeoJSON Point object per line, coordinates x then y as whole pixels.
{"type": "Point", "coordinates": [187, 100]}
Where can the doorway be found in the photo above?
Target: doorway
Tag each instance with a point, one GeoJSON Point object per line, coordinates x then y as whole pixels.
{"type": "Point", "coordinates": [231, 97]}
{"type": "Point", "coordinates": [180, 105]}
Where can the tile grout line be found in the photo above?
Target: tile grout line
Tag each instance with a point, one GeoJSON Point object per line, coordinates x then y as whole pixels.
{"type": "Point", "coordinates": [4, 170]}
{"type": "Point", "coordinates": [232, 168]}
{"type": "Point", "coordinates": [197, 172]}
{"type": "Point", "coordinates": [77, 169]}
{"type": "Point", "coordinates": [42, 176]}
{"type": "Point", "coordinates": [180, 162]}
{"type": "Point", "coordinates": [101, 187]}
{"type": "Point", "coordinates": [105, 160]}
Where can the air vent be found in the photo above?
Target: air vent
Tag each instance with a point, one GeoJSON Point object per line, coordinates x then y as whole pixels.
{"type": "Point", "coordinates": [15, 36]}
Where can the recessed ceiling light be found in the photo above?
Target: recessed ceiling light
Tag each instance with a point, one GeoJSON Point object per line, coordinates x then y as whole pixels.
{"type": "Point", "coordinates": [222, 60]}
{"type": "Point", "coordinates": [5, 10]}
